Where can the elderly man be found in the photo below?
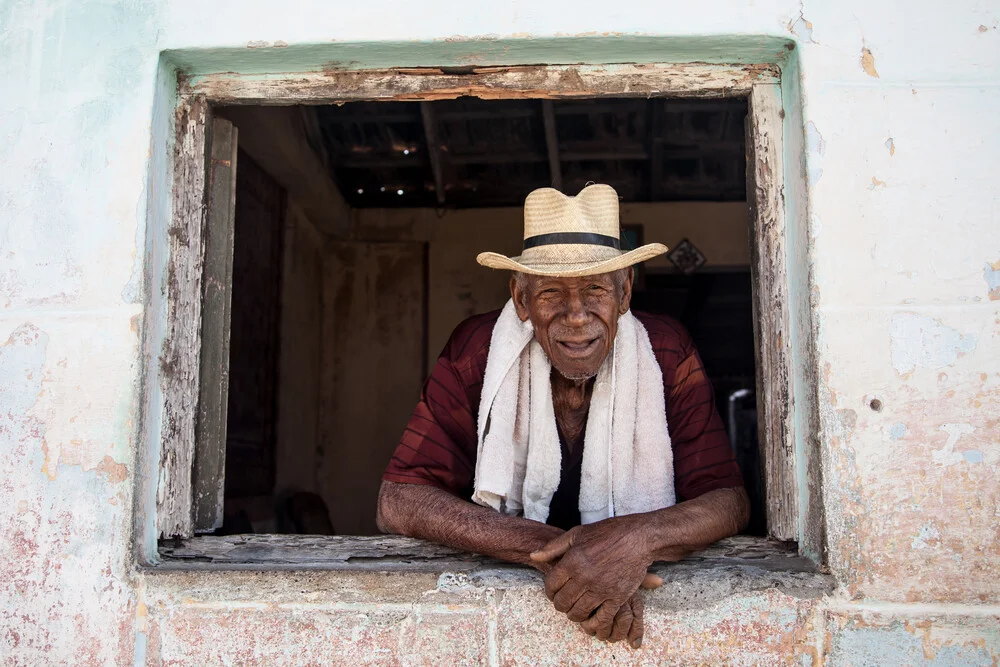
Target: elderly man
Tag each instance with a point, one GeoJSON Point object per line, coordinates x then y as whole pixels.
{"type": "Point", "coordinates": [565, 432]}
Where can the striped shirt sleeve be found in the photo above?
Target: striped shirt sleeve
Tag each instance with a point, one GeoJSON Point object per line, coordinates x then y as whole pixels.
{"type": "Point", "coordinates": [438, 446]}
{"type": "Point", "coordinates": [703, 458]}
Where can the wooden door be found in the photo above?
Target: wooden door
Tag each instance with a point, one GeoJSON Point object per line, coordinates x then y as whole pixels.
{"type": "Point", "coordinates": [253, 357]}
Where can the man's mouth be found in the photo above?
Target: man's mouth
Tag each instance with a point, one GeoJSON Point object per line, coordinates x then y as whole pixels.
{"type": "Point", "coordinates": [579, 348]}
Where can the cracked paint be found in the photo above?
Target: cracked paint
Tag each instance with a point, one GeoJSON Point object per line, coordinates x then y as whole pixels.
{"type": "Point", "coordinates": [875, 514]}
{"type": "Point", "coordinates": [802, 28]}
{"type": "Point", "coordinates": [60, 586]}
{"type": "Point", "coordinates": [816, 148]}
{"type": "Point", "coordinates": [868, 62]}
{"type": "Point", "coordinates": [929, 536]}
{"type": "Point", "coordinates": [947, 456]}
{"type": "Point", "coordinates": [917, 341]}
{"type": "Point", "coordinates": [973, 456]}
{"type": "Point", "coordinates": [856, 638]}
{"type": "Point", "coordinates": [991, 273]}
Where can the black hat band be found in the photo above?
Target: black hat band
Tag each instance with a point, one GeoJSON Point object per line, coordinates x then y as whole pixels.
{"type": "Point", "coordinates": [585, 238]}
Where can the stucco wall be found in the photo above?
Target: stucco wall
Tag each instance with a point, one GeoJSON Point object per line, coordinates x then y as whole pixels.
{"type": "Point", "coordinates": [896, 248]}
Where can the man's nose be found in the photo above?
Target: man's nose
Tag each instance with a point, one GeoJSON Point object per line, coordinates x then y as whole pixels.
{"type": "Point", "coordinates": [576, 311]}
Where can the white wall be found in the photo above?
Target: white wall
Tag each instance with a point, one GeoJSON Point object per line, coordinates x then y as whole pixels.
{"type": "Point", "coordinates": [898, 241]}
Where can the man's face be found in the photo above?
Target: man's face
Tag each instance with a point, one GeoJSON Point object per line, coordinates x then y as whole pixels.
{"type": "Point", "coordinates": [575, 319]}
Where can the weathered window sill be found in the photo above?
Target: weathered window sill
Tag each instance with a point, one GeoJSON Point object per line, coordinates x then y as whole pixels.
{"type": "Point", "coordinates": [733, 564]}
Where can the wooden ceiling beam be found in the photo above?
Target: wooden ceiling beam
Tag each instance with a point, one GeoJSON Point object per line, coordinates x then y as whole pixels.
{"type": "Point", "coordinates": [501, 114]}
{"type": "Point", "coordinates": [378, 162]}
{"type": "Point", "coordinates": [657, 109]}
{"type": "Point", "coordinates": [361, 118]}
{"type": "Point", "coordinates": [688, 152]}
{"type": "Point", "coordinates": [666, 151]}
{"type": "Point", "coordinates": [526, 157]}
{"type": "Point", "coordinates": [681, 105]}
{"type": "Point", "coordinates": [433, 149]}
{"type": "Point", "coordinates": [564, 156]}
{"type": "Point", "coordinates": [619, 105]}
{"type": "Point", "coordinates": [613, 156]}
{"type": "Point", "coordinates": [552, 144]}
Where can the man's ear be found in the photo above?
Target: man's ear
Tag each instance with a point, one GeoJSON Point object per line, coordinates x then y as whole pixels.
{"type": "Point", "coordinates": [520, 298]}
{"type": "Point", "coordinates": [626, 301]}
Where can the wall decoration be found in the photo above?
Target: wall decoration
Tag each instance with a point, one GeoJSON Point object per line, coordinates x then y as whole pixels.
{"type": "Point", "coordinates": [686, 257]}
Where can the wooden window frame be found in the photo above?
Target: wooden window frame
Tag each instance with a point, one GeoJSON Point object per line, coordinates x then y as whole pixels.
{"type": "Point", "coordinates": [189, 483]}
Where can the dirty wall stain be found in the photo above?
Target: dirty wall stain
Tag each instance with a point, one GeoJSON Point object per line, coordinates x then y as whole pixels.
{"type": "Point", "coordinates": [62, 592]}
{"type": "Point", "coordinates": [905, 523]}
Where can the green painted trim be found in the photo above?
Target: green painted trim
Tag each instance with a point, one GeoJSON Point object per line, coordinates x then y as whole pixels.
{"type": "Point", "coordinates": [159, 210]}
{"type": "Point", "coordinates": [596, 50]}
{"type": "Point", "coordinates": [808, 459]}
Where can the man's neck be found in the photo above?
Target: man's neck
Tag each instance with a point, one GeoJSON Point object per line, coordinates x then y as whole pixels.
{"type": "Point", "coordinates": [574, 393]}
{"type": "Point", "coordinates": [571, 402]}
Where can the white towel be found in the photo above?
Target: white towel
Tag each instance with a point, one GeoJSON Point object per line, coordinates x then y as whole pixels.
{"type": "Point", "coordinates": [627, 458]}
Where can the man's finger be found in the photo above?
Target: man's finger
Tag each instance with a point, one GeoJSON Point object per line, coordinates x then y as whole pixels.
{"type": "Point", "coordinates": [553, 549]}
{"type": "Point", "coordinates": [584, 607]}
{"type": "Point", "coordinates": [623, 623]}
{"type": "Point", "coordinates": [555, 580]}
{"type": "Point", "coordinates": [603, 621]}
{"type": "Point", "coordinates": [636, 631]}
{"type": "Point", "coordinates": [567, 596]}
{"type": "Point", "coordinates": [652, 581]}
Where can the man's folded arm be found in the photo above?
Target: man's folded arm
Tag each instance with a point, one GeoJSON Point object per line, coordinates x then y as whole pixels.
{"type": "Point", "coordinates": [435, 463]}
{"type": "Point", "coordinates": [674, 532]}
{"type": "Point", "coordinates": [434, 514]}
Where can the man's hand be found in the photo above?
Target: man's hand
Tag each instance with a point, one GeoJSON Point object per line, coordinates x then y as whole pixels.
{"type": "Point", "coordinates": [628, 624]}
{"type": "Point", "coordinates": [595, 573]}
{"type": "Point", "coordinates": [590, 567]}
{"type": "Point", "coordinates": [598, 567]}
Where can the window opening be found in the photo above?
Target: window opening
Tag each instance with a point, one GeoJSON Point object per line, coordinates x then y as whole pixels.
{"type": "Point", "coordinates": [376, 211]}
{"type": "Point", "coordinates": [332, 334]}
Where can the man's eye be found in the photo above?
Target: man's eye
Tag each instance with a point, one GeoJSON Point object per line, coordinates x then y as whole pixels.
{"type": "Point", "coordinates": [596, 288]}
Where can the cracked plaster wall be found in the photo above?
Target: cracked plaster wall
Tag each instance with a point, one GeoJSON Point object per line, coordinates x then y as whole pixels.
{"type": "Point", "coordinates": [898, 248]}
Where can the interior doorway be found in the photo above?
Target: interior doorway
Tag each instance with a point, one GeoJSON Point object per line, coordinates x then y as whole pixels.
{"type": "Point", "coordinates": [384, 206]}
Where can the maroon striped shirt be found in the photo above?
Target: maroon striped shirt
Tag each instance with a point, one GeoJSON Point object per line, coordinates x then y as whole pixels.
{"type": "Point", "coordinates": [438, 447]}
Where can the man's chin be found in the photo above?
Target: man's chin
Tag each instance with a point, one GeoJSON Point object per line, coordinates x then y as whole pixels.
{"type": "Point", "coordinates": [576, 374]}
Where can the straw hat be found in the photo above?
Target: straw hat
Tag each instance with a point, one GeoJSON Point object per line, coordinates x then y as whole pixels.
{"type": "Point", "coordinates": [571, 236]}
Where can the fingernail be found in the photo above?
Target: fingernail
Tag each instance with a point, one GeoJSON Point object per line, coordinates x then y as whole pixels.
{"type": "Point", "coordinates": [637, 643]}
